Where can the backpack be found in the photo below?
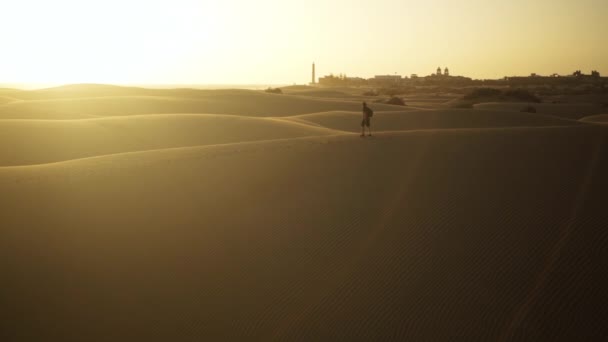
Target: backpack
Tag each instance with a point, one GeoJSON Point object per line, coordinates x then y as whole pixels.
{"type": "Point", "coordinates": [369, 112]}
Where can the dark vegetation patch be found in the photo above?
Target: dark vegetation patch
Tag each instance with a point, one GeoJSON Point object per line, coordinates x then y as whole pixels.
{"type": "Point", "coordinates": [393, 100]}
{"type": "Point", "coordinates": [529, 109]}
{"type": "Point", "coordinates": [484, 94]}
{"type": "Point", "coordinates": [274, 90]}
{"type": "Point", "coordinates": [396, 101]}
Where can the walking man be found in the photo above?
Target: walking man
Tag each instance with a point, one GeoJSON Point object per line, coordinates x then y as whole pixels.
{"type": "Point", "coordinates": [367, 114]}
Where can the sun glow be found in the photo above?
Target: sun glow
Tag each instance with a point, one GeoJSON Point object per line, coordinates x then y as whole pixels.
{"type": "Point", "coordinates": [275, 41]}
{"type": "Point", "coordinates": [111, 41]}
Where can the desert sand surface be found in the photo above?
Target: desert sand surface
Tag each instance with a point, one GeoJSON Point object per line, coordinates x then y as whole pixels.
{"type": "Point", "coordinates": [432, 119]}
{"type": "Point", "coordinates": [73, 103]}
{"type": "Point", "coordinates": [186, 215]}
{"type": "Point", "coordinates": [25, 142]}
{"type": "Point", "coordinates": [600, 119]}
{"type": "Point", "coordinates": [573, 111]}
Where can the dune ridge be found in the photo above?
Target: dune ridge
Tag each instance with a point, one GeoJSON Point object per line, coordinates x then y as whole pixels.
{"type": "Point", "coordinates": [188, 215]}
{"type": "Point", "coordinates": [573, 111]}
{"type": "Point", "coordinates": [379, 243]}
{"type": "Point", "coordinates": [600, 118]}
{"type": "Point", "coordinates": [238, 102]}
{"type": "Point", "coordinates": [5, 99]}
{"type": "Point", "coordinates": [41, 141]}
{"type": "Point", "coordinates": [432, 119]}
{"type": "Point", "coordinates": [31, 142]}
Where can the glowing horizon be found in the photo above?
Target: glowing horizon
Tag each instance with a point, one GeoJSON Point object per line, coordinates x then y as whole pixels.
{"type": "Point", "coordinates": [275, 42]}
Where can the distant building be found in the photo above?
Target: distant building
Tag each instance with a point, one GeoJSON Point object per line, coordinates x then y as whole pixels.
{"type": "Point", "coordinates": [355, 81]}
{"type": "Point", "coordinates": [443, 77]}
{"type": "Point", "coordinates": [445, 72]}
{"type": "Point", "coordinates": [331, 80]}
{"type": "Point", "coordinates": [340, 80]}
{"type": "Point", "coordinates": [385, 80]}
{"type": "Point", "coordinates": [387, 77]}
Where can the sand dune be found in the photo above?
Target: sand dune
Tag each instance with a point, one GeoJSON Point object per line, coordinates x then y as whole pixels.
{"type": "Point", "coordinates": [100, 90]}
{"type": "Point", "coordinates": [240, 102]}
{"type": "Point", "coordinates": [10, 92]}
{"type": "Point", "coordinates": [431, 119]}
{"type": "Point", "coordinates": [121, 220]}
{"type": "Point", "coordinates": [5, 100]}
{"type": "Point", "coordinates": [437, 100]}
{"type": "Point", "coordinates": [601, 119]}
{"type": "Point", "coordinates": [565, 110]}
{"type": "Point", "coordinates": [342, 90]}
{"type": "Point", "coordinates": [316, 92]}
{"type": "Point", "coordinates": [25, 142]}
{"type": "Point", "coordinates": [425, 235]}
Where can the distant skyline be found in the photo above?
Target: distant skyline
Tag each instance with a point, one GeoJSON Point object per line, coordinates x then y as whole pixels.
{"type": "Point", "coordinates": [275, 42]}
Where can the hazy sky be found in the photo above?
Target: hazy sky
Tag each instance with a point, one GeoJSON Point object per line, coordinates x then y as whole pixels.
{"type": "Point", "coordinates": [275, 41]}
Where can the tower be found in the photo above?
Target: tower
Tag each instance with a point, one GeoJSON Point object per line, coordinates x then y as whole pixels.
{"type": "Point", "coordinates": [446, 72]}
{"type": "Point", "coordinates": [438, 71]}
{"type": "Point", "coordinates": [313, 73]}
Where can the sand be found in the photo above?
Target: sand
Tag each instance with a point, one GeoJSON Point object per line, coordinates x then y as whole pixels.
{"type": "Point", "coordinates": [26, 142]}
{"type": "Point", "coordinates": [70, 104]}
{"type": "Point", "coordinates": [413, 119]}
{"type": "Point", "coordinates": [237, 226]}
{"type": "Point", "coordinates": [599, 119]}
{"type": "Point", "coordinates": [565, 110]}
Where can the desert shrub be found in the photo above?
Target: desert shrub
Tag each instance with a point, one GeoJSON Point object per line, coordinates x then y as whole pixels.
{"type": "Point", "coordinates": [274, 90]}
{"type": "Point", "coordinates": [522, 95]}
{"type": "Point", "coordinates": [519, 94]}
{"type": "Point", "coordinates": [481, 92]}
{"type": "Point", "coordinates": [529, 109]}
{"type": "Point", "coordinates": [396, 101]}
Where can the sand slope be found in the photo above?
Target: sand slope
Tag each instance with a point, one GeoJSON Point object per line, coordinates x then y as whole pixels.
{"type": "Point", "coordinates": [431, 119]}
{"type": "Point", "coordinates": [319, 93]}
{"type": "Point", "coordinates": [437, 235]}
{"type": "Point", "coordinates": [6, 99]}
{"type": "Point", "coordinates": [121, 220]}
{"type": "Point", "coordinates": [601, 119]}
{"type": "Point", "coordinates": [565, 110]}
{"type": "Point", "coordinates": [237, 102]}
{"type": "Point", "coordinates": [24, 142]}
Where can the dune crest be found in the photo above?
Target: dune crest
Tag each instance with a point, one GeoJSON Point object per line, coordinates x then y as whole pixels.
{"type": "Point", "coordinates": [24, 142]}
{"type": "Point", "coordinates": [261, 242]}
{"type": "Point", "coordinates": [600, 119]}
{"type": "Point", "coordinates": [188, 215]}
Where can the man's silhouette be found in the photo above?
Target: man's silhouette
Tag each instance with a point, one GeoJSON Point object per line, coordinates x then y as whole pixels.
{"type": "Point", "coordinates": [367, 114]}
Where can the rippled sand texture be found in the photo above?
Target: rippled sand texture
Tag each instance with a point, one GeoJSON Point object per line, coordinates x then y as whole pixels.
{"type": "Point", "coordinates": [182, 215]}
